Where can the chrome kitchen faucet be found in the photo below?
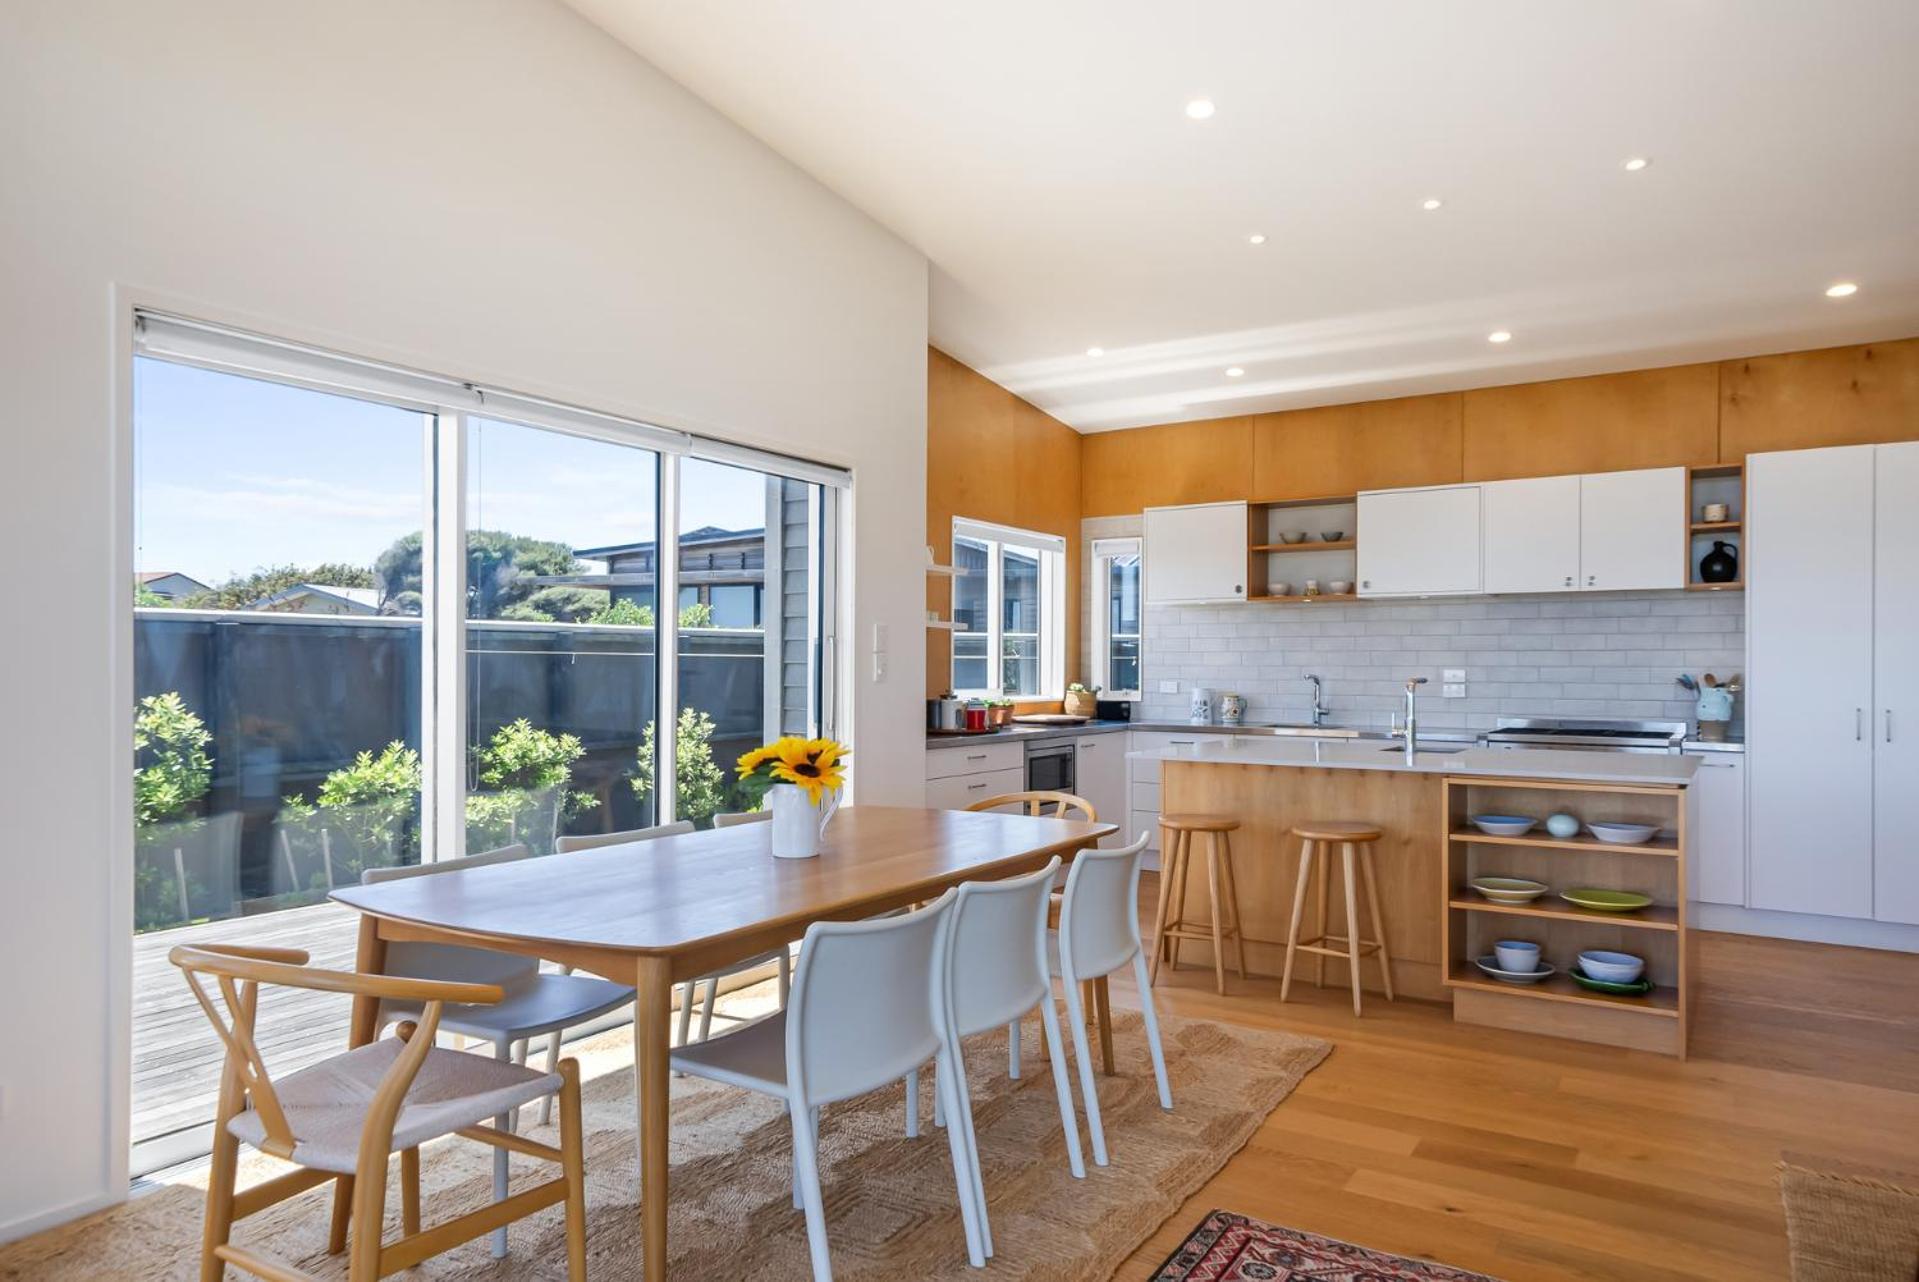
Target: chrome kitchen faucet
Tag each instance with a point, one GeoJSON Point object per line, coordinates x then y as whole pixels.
{"type": "Point", "coordinates": [1319, 705]}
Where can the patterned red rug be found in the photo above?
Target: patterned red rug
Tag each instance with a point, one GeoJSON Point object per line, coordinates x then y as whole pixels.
{"type": "Point", "coordinates": [1232, 1248]}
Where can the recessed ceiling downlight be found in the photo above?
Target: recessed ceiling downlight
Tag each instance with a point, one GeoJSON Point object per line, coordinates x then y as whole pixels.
{"type": "Point", "coordinates": [1636, 163]}
{"type": "Point", "coordinates": [1500, 336]}
{"type": "Point", "coordinates": [1431, 203]}
{"type": "Point", "coordinates": [1256, 239]}
{"type": "Point", "coordinates": [1234, 371]}
{"type": "Point", "coordinates": [1200, 109]}
{"type": "Point", "coordinates": [1843, 289]}
{"type": "Point", "coordinates": [1096, 351]}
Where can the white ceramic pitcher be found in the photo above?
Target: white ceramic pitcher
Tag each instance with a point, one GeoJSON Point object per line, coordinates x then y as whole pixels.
{"type": "Point", "coordinates": [798, 825]}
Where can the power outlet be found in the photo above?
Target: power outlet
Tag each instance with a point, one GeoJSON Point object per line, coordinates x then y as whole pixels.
{"type": "Point", "coordinates": [1169, 687]}
{"type": "Point", "coordinates": [1453, 690]}
{"type": "Point", "coordinates": [1453, 674]}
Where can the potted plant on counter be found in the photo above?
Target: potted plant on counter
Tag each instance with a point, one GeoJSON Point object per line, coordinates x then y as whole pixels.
{"type": "Point", "coordinates": [1081, 700]}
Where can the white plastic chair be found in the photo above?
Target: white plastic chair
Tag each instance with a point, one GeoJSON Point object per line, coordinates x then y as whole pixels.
{"type": "Point", "coordinates": [1098, 934]}
{"type": "Point", "coordinates": [733, 819]}
{"type": "Point", "coordinates": [709, 983]}
{"type": "Point", "coordinates": [866, 1010]}
{"type": "Point", "coordinates": [535, 1004]}
{"type": "Point", "coordinates": [996, 973]}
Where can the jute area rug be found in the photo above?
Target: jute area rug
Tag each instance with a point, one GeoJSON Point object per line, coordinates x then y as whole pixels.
{"type": "Point", "coordinates": [891, 1206]}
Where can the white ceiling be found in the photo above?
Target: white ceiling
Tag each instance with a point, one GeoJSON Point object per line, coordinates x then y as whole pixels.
{"type": "Point", "coordinates": [1039, 153]}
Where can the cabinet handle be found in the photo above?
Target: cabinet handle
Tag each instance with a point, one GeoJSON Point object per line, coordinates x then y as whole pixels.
{"type": "Point", "coordinates": [1859, 723]}
{"type": "Point", "coordinates": [1181, 743]}
{"type": "Point", "coordinates": [974, 787]}
{"type": "Point", "coordinates": [1365, 583]}
{"type": "Point", "coordinates": [1238, 588]}
{"type": "Point", "coordinates": [1569, 580]}
{"type": "Point", "coordinates": [1888, 725]}
{"type": "Point", "coordinates": [977, 756]}
{"type": "Point", "coordinates": [1591, 579]}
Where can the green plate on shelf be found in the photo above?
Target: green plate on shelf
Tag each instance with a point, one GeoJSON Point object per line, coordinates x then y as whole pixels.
{"type": "Point", "coordinates": [1638, 988]}
{"type": "Point", "coordinates": [1606, 901]}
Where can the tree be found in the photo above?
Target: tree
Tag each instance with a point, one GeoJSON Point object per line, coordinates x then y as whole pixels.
{"type": "Point", "coordinates": [625, 612]}
{"type": "Point", "coordinates": [178, 769]}
{"type": "Point", "coordinates": [243, 590]}
{"type": "Point", "coordinates": [145, 597]}
{"type": "Point", "coordinates": [502, 570]}
{"type": "Point", "coordinates": [702, 782]}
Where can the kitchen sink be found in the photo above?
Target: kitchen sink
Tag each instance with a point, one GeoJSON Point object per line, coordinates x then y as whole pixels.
{"type": "Point", "coordinates": [1424, 748]}
{"type": "Point", "coordinates": [1307, 730]}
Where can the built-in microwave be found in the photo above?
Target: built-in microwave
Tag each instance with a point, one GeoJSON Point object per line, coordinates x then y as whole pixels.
{"type": "Point", "coordinates": [1049, 765]}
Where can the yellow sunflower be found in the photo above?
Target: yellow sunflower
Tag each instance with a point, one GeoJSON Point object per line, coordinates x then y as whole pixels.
{"type": "Point", "coordinates": [751, 761]}
{"type": "Point", "coordinates": [813, 764]}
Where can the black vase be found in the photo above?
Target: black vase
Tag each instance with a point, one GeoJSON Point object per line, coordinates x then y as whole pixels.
{"type": "Point", "coordinates": [1721, 565]}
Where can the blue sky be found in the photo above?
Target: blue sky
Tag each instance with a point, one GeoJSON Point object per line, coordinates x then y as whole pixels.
{"type": "Point", "coordinates": [232, 474]}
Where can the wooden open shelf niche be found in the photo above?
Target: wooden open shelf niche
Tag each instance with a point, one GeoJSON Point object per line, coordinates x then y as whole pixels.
{"type": "Point", "coordinates": [1557, 1006]}
{"type": "Point", "coordinates": [1265, 522]}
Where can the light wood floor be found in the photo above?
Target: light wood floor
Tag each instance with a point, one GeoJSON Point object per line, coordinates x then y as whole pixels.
{"type": "Point", "coordinates": [1534, 1158]}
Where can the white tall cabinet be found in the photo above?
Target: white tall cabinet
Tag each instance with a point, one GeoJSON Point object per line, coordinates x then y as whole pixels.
{"type": "Point", "coordinates": [1895, 683]}
{"type": "Point", "coordinates": [1833, 547]}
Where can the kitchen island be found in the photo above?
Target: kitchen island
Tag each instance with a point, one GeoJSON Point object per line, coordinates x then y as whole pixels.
{"type": "Point", "coordinates": [1428, 852]}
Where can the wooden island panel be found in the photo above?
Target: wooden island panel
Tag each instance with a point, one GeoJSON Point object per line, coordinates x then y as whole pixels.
{"type": "Point", "coordinates": [1268, 801]}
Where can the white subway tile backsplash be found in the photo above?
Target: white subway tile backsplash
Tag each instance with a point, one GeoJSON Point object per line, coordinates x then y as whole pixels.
{"type": "Point", "coordinates": [1610, 655]}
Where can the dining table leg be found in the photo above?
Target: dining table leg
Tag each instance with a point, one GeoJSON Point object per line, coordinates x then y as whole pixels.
{"type": "Point", "coordinates": [653, 1012]}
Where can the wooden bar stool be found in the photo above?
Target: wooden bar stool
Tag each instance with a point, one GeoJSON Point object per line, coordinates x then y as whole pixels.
{"type": "Point", "coordinates": [1176, 847]}
{"type": "Point", "coordinates": [1316, 842]}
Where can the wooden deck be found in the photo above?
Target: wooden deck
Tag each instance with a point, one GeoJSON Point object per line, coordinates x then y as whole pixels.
{"type": "Point", "coordinates": [176, 1057]}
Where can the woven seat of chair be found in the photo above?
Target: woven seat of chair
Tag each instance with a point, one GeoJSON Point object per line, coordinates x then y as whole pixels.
{"type": "Point", "coordinates": [326, 1103]}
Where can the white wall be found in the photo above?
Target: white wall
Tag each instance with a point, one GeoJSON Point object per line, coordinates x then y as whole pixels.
{"type": "Point", "coordinates": [489, 188]}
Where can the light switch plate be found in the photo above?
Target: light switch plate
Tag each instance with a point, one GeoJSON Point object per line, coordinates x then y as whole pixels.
{"type": "Point", "coordinates": [879, 637]}
{"type": "Point", "coordinates": [1453, 690]}
{"type": "Point", "coordinates": [1453, 674]}
{"type": "Point", "coordinates": [1169, 687]}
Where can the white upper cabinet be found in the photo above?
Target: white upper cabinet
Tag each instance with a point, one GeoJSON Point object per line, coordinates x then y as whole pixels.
{"type": "Point", "coordinates": [1531, 534]}
{"type": "Point", "coordinates": [1895, 724]}
{"type": "Point", "coordinates": [1196, 553]}
{"type": "Point", "coordinates": [1632, 530]}
{"type": "Point", "coordinates": [1809, 675]}
{"type": "Point", "coordinates": [1419, 542]}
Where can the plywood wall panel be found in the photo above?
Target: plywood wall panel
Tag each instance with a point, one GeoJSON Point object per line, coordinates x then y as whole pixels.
{"type": "Point", "coordinates": [994, 457]}
{"type": "Point", "coordinates": [1342, 449]}
{"type": "Point", "coordinates": [1604, 423]}
{"type": "Point", "coordinates": [1834, 396]}
{"type": "Point", "coordinates": [1205, 462]}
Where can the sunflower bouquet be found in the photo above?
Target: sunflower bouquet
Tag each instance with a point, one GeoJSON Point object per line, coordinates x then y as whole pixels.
{"type": "Point", "coordinates": [815, 766]}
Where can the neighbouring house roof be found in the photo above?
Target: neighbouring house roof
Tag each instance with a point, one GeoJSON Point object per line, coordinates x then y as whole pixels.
{"type": "Point", "coordinates": [356, 600]}
{"type": "Point", "coordinates": [181, 582]}
{"type": "Point", "coordinates": [692, 538]}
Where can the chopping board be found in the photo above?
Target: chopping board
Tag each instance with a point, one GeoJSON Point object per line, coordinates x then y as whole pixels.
{"type": "Point", "coordinates": [1051, 719]}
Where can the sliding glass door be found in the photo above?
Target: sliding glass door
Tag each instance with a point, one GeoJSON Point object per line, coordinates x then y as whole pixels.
{"type": "Point", "coordinates": [386, 619]}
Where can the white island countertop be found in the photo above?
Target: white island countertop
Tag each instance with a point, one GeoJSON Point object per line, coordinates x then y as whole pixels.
{"type": "Point", "coordinates": [1372, 754]}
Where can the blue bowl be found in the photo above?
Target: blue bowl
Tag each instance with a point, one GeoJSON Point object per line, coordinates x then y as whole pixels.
{"type": "Point", "coordinates": [1613, 968]}
{"type": "Point", "coordinates": [1503, 825]}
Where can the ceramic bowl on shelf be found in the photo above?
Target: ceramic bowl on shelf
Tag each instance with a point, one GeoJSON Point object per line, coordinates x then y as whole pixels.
{"type": "Point", "coordinates": [1516, 955]}
{"type": "Point", "coordinates": [1509, 890]}
{"type": "Point", "coordinates": [1333, 536]}
{"type": "Point", "coordinates": [1503, 825]}
{"type": "Point", "coordinates": [1623, 834]}
{"type": "Point", "coordinates": [1638, 988]}
{"type": "Point", "coordinates": [1279, 589]}
{"type": "Point", "coordinates": [1293, 536]}
{"type": "Point", "coordinates": [1340, 587]}
{"type": "Point", "coordinates": [1613, 968]}
{"type": "Point", "coordinates": [1492, 967]}
{"type": "Point", "coordinates": [1606, 901]}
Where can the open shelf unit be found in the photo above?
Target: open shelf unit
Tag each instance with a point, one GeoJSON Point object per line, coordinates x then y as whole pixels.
{"type": "Point", "coordinates": [1721, 483]}
{"type": "Point", "coordinates": [1557, 1006]}
{"type": "Point", "coordinates": [1311, 558]}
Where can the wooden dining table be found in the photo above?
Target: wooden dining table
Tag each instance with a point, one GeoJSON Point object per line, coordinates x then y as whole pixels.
{"type": "Point", "coordinates": [669, 909]}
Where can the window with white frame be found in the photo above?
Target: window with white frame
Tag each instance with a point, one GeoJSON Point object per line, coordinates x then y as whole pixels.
{"type": "Point", "coordinates": [1116, 594]}
{"type": "Point", "coordinates": [1009, 600]}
